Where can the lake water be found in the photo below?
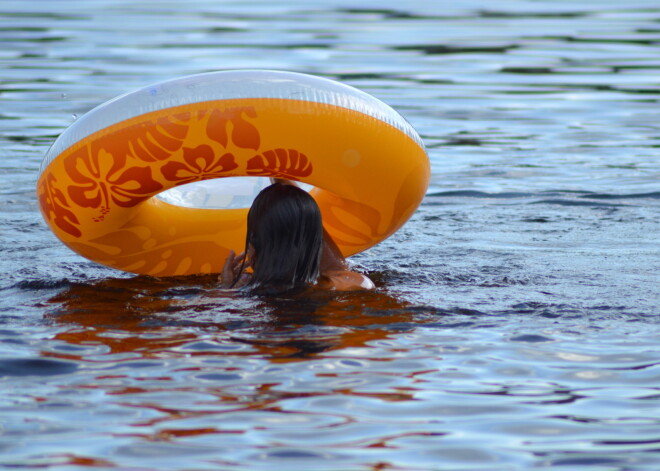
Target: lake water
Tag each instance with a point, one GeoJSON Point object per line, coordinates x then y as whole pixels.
{"type": "Point", "coordinates": [515, 325]}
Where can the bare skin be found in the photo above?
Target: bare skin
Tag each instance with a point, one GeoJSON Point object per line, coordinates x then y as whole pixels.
{"type": "Point", "coordinates": [232, 268]}
{"type": "Point", "coordinates": [335, 273]}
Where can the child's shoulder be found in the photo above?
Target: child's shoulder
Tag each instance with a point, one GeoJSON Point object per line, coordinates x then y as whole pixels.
{"type": "Point", "coordinates": [344, 280]}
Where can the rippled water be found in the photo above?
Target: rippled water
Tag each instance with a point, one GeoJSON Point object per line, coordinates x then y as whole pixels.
{"type": "Point", "coordinates": [515, 325]}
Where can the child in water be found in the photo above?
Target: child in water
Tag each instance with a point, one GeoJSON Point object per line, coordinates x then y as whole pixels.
{"type": "Point", "coordinates": [287, 247]}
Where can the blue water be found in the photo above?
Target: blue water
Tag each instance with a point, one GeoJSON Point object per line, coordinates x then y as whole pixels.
{"type": "Point", "coordinates": [515, 325]}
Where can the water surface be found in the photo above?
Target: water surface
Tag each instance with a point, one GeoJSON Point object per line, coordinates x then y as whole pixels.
{"type": "Point", "coordinates": [515, 324]}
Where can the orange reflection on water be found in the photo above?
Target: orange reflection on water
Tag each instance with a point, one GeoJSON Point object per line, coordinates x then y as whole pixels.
{"type": "Point", "coordinates": [147, 316]}
{"type": "Point", "coordinates": [204, 355]}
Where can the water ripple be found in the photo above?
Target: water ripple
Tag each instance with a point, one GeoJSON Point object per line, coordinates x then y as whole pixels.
{"type": "Point", "coordinates": [515, 322]}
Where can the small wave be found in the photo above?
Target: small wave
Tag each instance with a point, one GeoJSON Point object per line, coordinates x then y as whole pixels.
{"type": "Point", "coordinates": [570, 202]}
{"type": "Point", "coordinates": [606, 196]}
{"type": "Point", "coordinates": [385, 13]}
{"type": "Point", "coordinates": [571, 311]}
{"type": "Point", "coordinates": [480, 194]}
{"type": "Point", "coordinates": [35, 367]}
{"type": "Point", "coordinates": [531, 338]}
{"type": "Point", "coordinates": [557, 197]}
{"type": "Point", "coordinates": [36, 285]}
{"type": "Point", "coordinates": [442, 49]}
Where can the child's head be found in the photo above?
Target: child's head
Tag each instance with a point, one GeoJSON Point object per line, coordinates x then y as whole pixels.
{"type": "Point", "coordinates": [284, 237]}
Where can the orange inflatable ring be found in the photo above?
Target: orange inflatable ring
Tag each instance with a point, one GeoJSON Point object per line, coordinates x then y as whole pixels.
{"type": "Point", "coordinates": [99, 181]}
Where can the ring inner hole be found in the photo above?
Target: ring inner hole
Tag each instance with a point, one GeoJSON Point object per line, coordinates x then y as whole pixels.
{"type": "Point", "coordinates": [219, 193]}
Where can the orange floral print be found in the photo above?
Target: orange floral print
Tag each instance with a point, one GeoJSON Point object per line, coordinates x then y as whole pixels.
{"type": "Point", "coordinates": [345, 231]}
{"type": "Point", "coordinates": [99, 179]}
{"type": "Point", "coordinates": [149, 141]}
{"type": "Point", "coordinates": [200, 164]}
{"type": "Point", "coordinates": [243, 134]}
{"type": "Point", "coordinates": [285, 163]}
{"type": "Point", "coordinates": [55, 207]}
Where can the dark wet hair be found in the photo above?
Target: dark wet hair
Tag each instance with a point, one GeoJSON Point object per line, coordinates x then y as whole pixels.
{"type": "Point", "coordinates": [285, 230]}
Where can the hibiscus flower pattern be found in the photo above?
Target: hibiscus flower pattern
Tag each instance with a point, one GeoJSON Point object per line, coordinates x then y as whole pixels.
{"type": "Point", "coordinates": [100, 180]}
{"type": "Point", "coordinates": [113, 171]}
{"type": "Point", "coordinates": [199, 163]}
{"type": "Point", "coordinates": [56, 208]}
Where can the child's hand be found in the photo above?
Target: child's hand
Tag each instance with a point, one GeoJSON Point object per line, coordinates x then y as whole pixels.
{"type": "Point", "coordinates": [232, 269]}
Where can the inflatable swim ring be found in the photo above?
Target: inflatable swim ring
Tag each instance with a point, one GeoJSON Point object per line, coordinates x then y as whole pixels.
{"type": "Point", "coordinates": [99, 181]}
